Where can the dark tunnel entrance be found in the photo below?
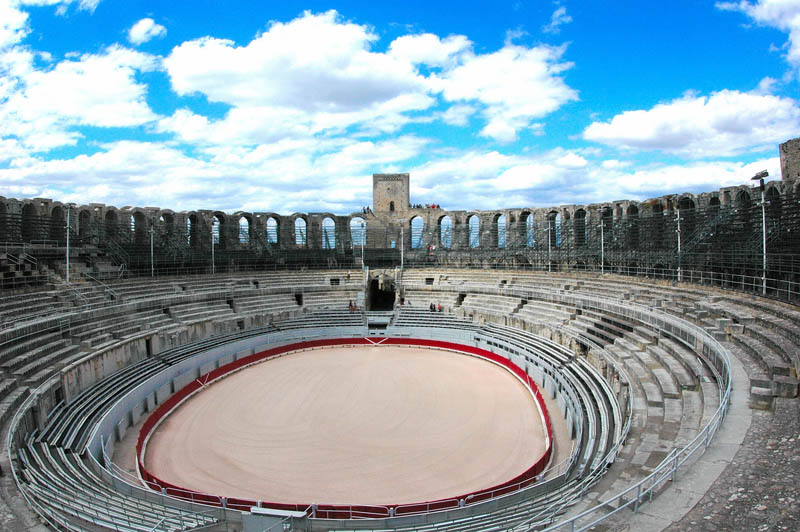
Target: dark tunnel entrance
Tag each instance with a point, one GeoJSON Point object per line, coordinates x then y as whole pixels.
{"type": "Point", "coordinates": [381, 295]}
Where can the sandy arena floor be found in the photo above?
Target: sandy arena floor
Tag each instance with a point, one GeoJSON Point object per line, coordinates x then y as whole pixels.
{"type": "Point", "coordinates": [368, 425]}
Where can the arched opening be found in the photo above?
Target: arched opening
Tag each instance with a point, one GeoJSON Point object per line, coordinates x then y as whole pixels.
{"type": "Point", "coordinates": [382, 294]}
{"type": "Point", "coordinates": [500, 226]}
{"type": "Point", "coordinates": [743, 199]}
{"type": "Point", "coordinates": [633, 226]}
{"type": "Point", "coordinates": [5, 234]}
{"type": "Point", "coordinates": [300, 236]}
{"type": "Point", "coordinates": [554, 228]}
{"type": "Point", "coordinates": [474, 225]}
{"type": "Point", "coordinates": [358, 231]}
{"type": "Point", "coordinates": [773, 210]}
{"type": "Point", "coordinates": [216, 227]}
{"type": "Point", "coordinates": [193, 230]}
{"type": "Point", "coordinates": [417, 229]}
{"type": "Point", "coordinates": [391, 206]}
{"type": "Point", "coordinates": [31, 223]}
{"type": "Point", "coordinates": [244, 230]}
{"type": "Point", "coordinates": [111, 224]}
{"type": "Point", "coordinates": [580, 228]}
{"type": "Point", "coordinates": [656, 226]}
{"type": "Point", "coordinates": [328, 233]}
{"type": "Point", "coordinates": [140, 229]}
{"type": "Point", "coordinates": [446, 232]}
{"type": "Point", "coordinates": [687, 213]}
{"type": "Point", "coordinates": [58, 224]}
{"type": "Point", "coordinates": [713, 203]}
{"type": "Point", "coordinates": [84, 224]}
{"type": "Point", "coordinates": [272, 230]}
{"type": "Point", "coordinates": [530, 231]}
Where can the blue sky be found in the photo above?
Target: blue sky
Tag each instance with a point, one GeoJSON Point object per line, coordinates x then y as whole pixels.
{"type": "Point", "coordinates": [284, 106]}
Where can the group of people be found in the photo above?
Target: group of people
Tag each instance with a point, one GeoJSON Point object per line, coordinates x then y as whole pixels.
{"type": "Point", "coordinates": [366, 210]}
{"type": "Point", "coordinates": [352, 306]}
{"type": "Point", "coordinates": [426, 206]}
{"type": "Point", "coordinates": [435, 308]}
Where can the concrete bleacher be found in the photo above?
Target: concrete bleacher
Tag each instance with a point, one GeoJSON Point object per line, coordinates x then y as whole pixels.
{"type": "Point", "coordinates": [675, 391]}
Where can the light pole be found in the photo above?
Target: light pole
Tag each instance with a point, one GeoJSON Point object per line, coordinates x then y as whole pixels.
{"type": "Point", "coordinates": [549, 249]}
{"type": "Point", "coordinates": [152, 267]}
{"type": "Point", "coordinates": [69, 206]}
{"type": "Point", "coordinates": [602, 246]}
{"type": "Point", "coordinates": [402, 245]}
{"type": "Point", "coordinates": [760, 178]}
{"type": "Point", "coordinates": [678, 231]}
{"type": "Point", "coordinates": [363, 237]}
{"type": "Point", "coordinates": [212, 249]}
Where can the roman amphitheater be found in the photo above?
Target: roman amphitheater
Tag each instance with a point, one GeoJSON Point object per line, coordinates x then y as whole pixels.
{"type": "Point", "coordinates": [618, 366]}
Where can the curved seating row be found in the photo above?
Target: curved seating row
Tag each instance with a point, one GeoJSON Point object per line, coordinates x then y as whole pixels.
{"type": "Point", "coordinates": [673, 391]}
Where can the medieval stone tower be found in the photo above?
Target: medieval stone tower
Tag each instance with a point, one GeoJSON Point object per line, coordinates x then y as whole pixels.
{"type": "Point", "coordinates": [790, 161]}
{"type": "Point", "coordinates": [390, 193]}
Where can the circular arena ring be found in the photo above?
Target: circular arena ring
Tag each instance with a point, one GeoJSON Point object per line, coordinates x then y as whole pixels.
{"type": "Point", "coordinates": [442, 447]}
{"type": "Point", "coordinates": [65, 437]}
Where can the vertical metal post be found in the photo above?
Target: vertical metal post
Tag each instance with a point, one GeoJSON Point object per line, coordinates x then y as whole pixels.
{"type": "Point", "coordinates": [68, 210]}
{"type": "Point", "coordinates": [152, 267]}
{"type": "Point", "coordinates": [212, 249]}
{"type": "Point", "coordinates": [402, 245]}
{"type": "Point", "coordinates": [602, 246]}
{"type": "Point", "coordinates": [363, 238]}
{"type": "Point", "coordinates": [763, 242]}
{"type": "Point", "coordinates": [549, 244]}
{"type": "Point", "coordinates": [678, 219]}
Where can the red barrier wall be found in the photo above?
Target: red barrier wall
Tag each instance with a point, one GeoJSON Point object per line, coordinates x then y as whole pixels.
{"type": "Point", "coordinates": [344, 511]}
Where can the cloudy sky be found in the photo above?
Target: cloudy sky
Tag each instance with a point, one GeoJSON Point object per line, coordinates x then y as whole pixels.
{"type": "Point", "coordinates": [287, 106]}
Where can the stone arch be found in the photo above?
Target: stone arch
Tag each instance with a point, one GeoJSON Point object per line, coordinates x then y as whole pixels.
{"type": "Point", "coordinates": [445, 225]}
{"type": "Point", "coordinates": [714, 202]}
{"type": "Point", "coordinates": [218, 229]}
{"type": "Point", "coordinates": [554, 228]}
{"type": "Point", "coordinates": [743, 199]}
{"type": "Point", "coordinates": [580, 227]}
{"type": "Point", "coordinates": [58, 224]}
{"type": "Point", "coordinates": [272, 230]}
{"type": "Point", "coordinates": [111, 223]}
{"type": "Point", "coordinates": [528, 223]}
{"type": "Point", "coordinates": [244, 226]}
{"type": "Point", "coordinates": [139, 227]}
{"type": "Point", "coordinates": [194, 231]}
{"type": "Point", "coordinates": [358, 231]}
{"type": "Point", "coordinates": [328, 233]}
{"type": "Point", "coordinates": [5, 234]}
{"type": "Point", "coordinates": [300, 231]}
{"type": "Point", "coordinates": [633, 226]}
{"type": "Point", "coordinates": [84, 224]}
{"type": "Point", "coordinates": [474, 231]}
{"type": "Point", "coordinates": [499, 230]}
{"type": "Point", "coordinates": [417, 228]}
{"type": "Point", "coordinates": [30, 223]}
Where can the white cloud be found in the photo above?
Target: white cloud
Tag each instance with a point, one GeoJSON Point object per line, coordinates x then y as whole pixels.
{"type": "Point", "coordinates": [429, 49]}
{"type": "Point", "coordinates": [13, 24]}
{"type": "Point", "coordinates": [321, 73]}
{"type": "Point", "coordinates": [725, 123]}
{"type": "Point", "coordinates": [315, 63]}
{"type": "Point", "coordinates": [145, 30]}
{"type": "Point", "coordinates": [458, 115]}
{"type": "Point", "coordinates": [557, 19]}
{"type": "Point", "coordinates": [515, 84]}
{"type": "Point", "coordinates": [781, 14]}
{"type": "Point", "coordinates": [41, 107]}
{"type": "Point", "coordinates": [84, 5]}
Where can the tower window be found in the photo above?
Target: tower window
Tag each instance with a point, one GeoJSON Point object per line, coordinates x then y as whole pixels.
{"type": "Point", "coordinates": [391, 206]}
